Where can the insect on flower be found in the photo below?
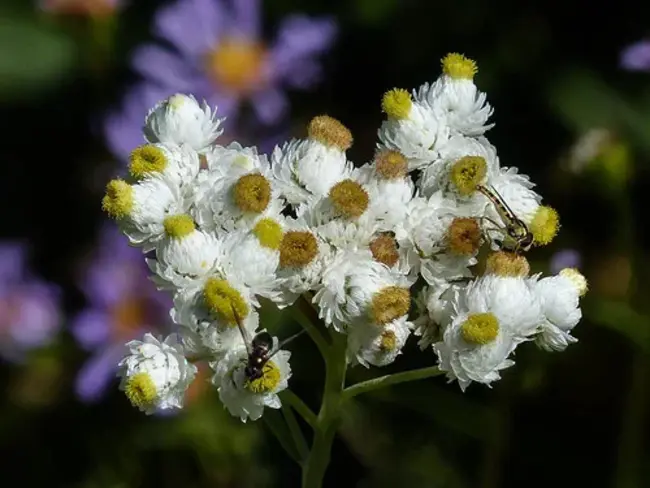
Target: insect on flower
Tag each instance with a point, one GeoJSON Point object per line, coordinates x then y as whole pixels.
{"type": "Point", "coordinates": [259, 348]}
{"type": "Point", "coordinates": [517, 237]}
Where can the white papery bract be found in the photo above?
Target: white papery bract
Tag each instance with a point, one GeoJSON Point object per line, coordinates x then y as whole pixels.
{"type": "Point", "coordinates": [306, 170]}
{"type": "Point", "coordinates": [180, 119]}
{"type": "Point", "coordinates": [560, 299]}
{"type": "Point", "coordinates": [224, 227]}
{"type": "Point", "coordinates": [155, 374]}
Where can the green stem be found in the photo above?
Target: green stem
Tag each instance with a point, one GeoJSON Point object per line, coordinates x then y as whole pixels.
{"type": "Point", "coordinates": [296, 433]}
{"type": "Point", "coordinates": [299, 406]}
{"type": "Point", "coordinates": [329, 415]}
{"type": "Point", "coordinates": [390, 379]}
{"type": "Point", "coordinates": [304, 315]}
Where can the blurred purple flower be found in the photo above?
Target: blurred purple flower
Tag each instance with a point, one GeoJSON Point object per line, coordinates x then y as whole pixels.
{"type": "Point", "coordinates": [636, 57]}
{"type": "Point", "coordinates": [567, 258]}
{"type": "Point", "coordinates": [220, 56]}
{"type": "Point", "coordinates": [123, 304]}
{"type": "Point", "coordinates": [86, 8]}
{"type": "Point", "coordinates": [30, 309]}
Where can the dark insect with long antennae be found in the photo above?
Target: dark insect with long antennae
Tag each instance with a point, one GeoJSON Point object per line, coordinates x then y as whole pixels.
{"type": "Point", "coordinates": [517, 236]}
{"type": "Point", "coordinates": [259, 348]}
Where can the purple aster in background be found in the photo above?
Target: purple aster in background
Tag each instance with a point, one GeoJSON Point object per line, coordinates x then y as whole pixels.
{"type": "Point", "coordinates": [30, 308]}
{"type": "Point", "coordinates": [567, 258]}
{"type": "Point", "coordinates": [219, 56]}
{"type": "Point", "coordinates": [636, 57]}
{"type": "Point", "coordinates": [123, 304]}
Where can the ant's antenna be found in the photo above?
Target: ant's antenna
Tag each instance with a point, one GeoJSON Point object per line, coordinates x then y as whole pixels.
{"type": "Point", "coordinates": [285, 342]}
{"type": "Point", "coordinates": [244, 333]}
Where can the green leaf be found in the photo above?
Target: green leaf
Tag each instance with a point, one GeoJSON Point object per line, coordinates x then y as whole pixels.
{"type": "Point", "coordinates": [33, 57]}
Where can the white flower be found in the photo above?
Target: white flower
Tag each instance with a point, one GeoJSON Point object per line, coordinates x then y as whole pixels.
{"type": "Point", "coordinates": [177, 163]}
{"type": "Point", "coordinates": [369, 344]}
{"type": "Point", "coordinates": [155, 374]}
{"type": "Point", "coordinates": [491, 318]}
{"type": "Point", "coordinates": [560, 300]}
{"type": "Point", "coordinates": [303, 266]}
{"type": "Point", "coordinates": [436, 176]}
{"type": "Point", "coordinates": [516, 190]}
{"type": "Point", "coordinates": [206, 314]}
{"type": "Point", "coordinates": [180, 119]}
{"type": "Point", "coordinates": [254, 262]}
{"type": "Point", "coordinates": [355, 286]}
{"type": "Point", "coordinates": [244, 398]}
{"type": "Point", "coordinates": [185, 261]}
{"type": "Point", "coordinates": [418, 137]}
{"type": "Point", "coordinates": [465, 107]}
{"type": "Point", "coordinates": [235, 194]}
{"type": "Point", "coordinates": [306, 170]}
{"type": "Point", "coordinates": [466, 362]}
{"type": "Point", "coordinates": [435, 306]}
{"type": "Point", "coordinates": [148, 203]}
{"type": "Point", "coordinates": [235, 160]}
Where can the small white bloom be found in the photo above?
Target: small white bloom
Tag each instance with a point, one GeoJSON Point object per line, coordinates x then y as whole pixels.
{"type": "Point", "coordinates": [155, 374]}
{"type": "Point", "coordinates": [255, 263]}
{"type": "Point", "coordinates": [369, 344]}
{"type": "Point", "coordinates": [244, 398]}
{"type": "Point", "coordinates": [465, 107]}
{"type": "Point", "coordinates": [180, 119]}
{"type": "Point", "coordinates": [560, 300]}
{"type": "Point", "coordinates": [418, 137]}
{"type": "Point", "coordinates": [436, 176]}
{"type": "Point", "coordinates": [186, 261]}
{"type": "Point", "coordinates": [353, 287]}
{"type": "Point", "coordinates": [435, 307]}
{"type": "Point", "coordinates": [306, 170]}
{"type": "Point", "coordinates": [235, 160]}
{"type": "Point", "coordinates": [491, 318]}
{"type": "Point", "coordinates": [207, 331]}
{"type": "Point", "coordinates": [153, 200]}
{"type": "Point", "coordinates": [177, 163]}
{"type": "Point", "coordinates": [516, 191]}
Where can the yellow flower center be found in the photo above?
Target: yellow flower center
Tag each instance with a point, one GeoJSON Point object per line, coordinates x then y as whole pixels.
{"type": "Point", "coordinates": [397, 103]}
{"type": "Point", "coordinates": [384, 249]}
{"type": "Point", "coordinates": [503, 263]}
{"type": "Point", "coordinates": [389, 304]}
{"type": "Point", "coordinates": [459, 67]}
{"type": "Point", "coordinates": [178, 226]}
{"type": "Point", "coordinates": [147, 159]}
{"type": "Point", "coordinates": [349, 198]}
{"type": "Point", "coordinates": [223, 301]}
{"type": "Point", "coordinates": [140, 390]}
{"type": "Point", "coordinates": [388, 341]}
{"type": "Point", "coordinates": [577, 278]}
{"type": "Point", "coordinates": [464, 236]}
{"type": "Point", "coordinates": [544, 226]}
{"type": "Point", "coordinates": [268, 233]}
{"type": "Point", "coordinates": [467, 173]}
{"type": "Point", "coordinates": [390, 164]}
{"type": "Point", "coordinates": [297, 249]}
{"type": "Point", "coordinates": [329, 132]}
{"type": "Point", "coordinates": [118, 201]}
{"type": "Point", "coordinates": [269, 380]}
{"type": "Point", "coordinates": [252, 193]}
{"type": "Point", "coordinates": [237, 65]}
{"type": "Point", "coordinates": [480, 328]}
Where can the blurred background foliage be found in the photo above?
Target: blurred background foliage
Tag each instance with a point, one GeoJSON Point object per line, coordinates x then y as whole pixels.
{"type": "Point", "coordinates": [566, 113]}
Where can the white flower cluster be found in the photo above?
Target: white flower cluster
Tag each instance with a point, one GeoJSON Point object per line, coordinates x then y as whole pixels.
{"type": "Point", "coordinates": [225, 226]}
